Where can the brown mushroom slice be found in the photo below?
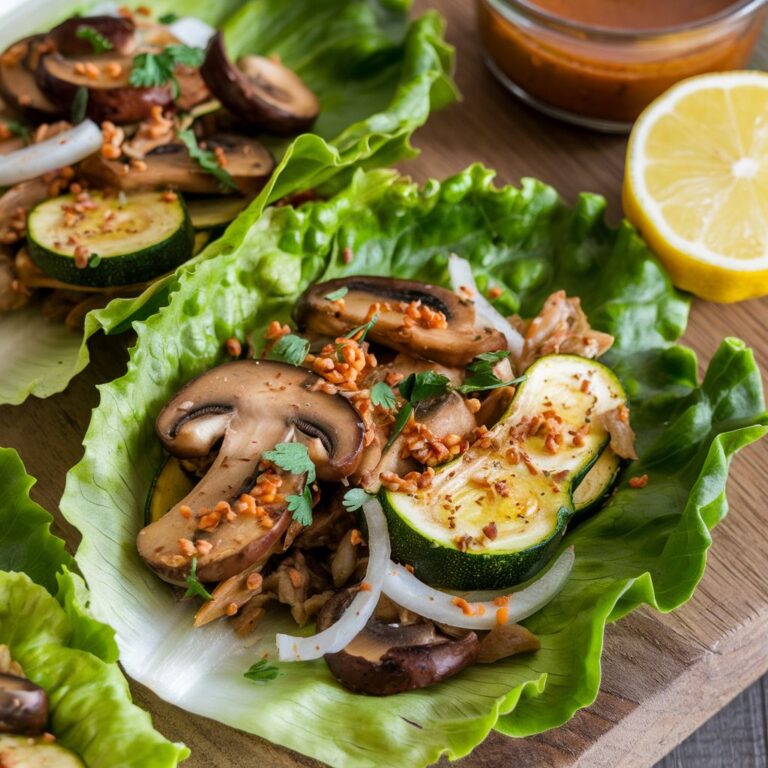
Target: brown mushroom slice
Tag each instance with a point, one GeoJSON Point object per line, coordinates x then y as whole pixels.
{"type": "Point", "coordinates": [23, 706]}
{"type": "Point", "coordinates": [387, 658]}
{"type": "Point", "coordinates": [249, 405]}
{"type": "Point", "coordinates": [260, 91]}
{"type": "Point", "coordinates": [248, 162]}
{"type": "Point", "coordinates": [106, 78]}
{"type": "Point", "coordinates": [68, 39]}
{"type": "Point", "coordinates": [454, 346]}
{"type": "Point", "coordinates": [18, 84]}
{"type": "Point", "coordinates": [506, 640]}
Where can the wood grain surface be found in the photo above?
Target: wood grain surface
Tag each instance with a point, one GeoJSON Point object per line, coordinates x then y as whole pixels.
{"type": "Point", "coordinates": [662, 675]}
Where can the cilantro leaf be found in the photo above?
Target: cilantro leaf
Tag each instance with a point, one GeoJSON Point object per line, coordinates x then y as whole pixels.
{"type": "Point", "coordinates": [340, 293]}
{"type": "Point", "coordinates": [262, 672]}
{"type": "Point", "coordinates": [362, 329]}
{"type": "Point", "coordinates": [289, 349]}
{"type": "Point", "coordinates": [294, 458]}
{"type": "Point", "coordinates": [301, 506]}
{"type": "Point", "coordinates": [402, 419]}
{"type": "Point", "coordinates": [489, 357]}
{"type": "Point", "coordinates": [424, 385]}
{"type": "Point", "coordinates": [168, 18]}
{"type": "Point", "coordinates": [482, 376]}
{"type": "Point", "coordinates": [205, 158]}
{"type": "Point", "coordinates": [79, 105]}
{"type": "Point", "coordinates": [98, 42]}
{"type": "Point", "coordinates": [152, 70]}
{"type": "Point", "coordinates": [194, 587]}
{"type": "Point", "coordinates": [382, 395]}
{"type": "Point", "coordinates": [185, 55]}
{"type": "Point", "coordinates": [354, 499]}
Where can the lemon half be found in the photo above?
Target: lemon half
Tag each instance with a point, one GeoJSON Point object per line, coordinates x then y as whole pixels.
{"type": "Point", "coordinates": [696, 183]}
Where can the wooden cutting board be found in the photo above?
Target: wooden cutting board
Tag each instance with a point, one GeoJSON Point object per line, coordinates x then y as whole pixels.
{"type": "Point", "coordinates": [662, 675]}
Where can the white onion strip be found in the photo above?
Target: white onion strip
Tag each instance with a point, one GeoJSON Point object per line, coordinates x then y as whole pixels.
{"type": "Point", "coordinates": [192, 31]}
{"type": "Point", "coordinates": [351, 623]}
{"type": "Point", "coordinates": [461, 276]}
{"type": "Point", "coordinates": [406, 590]}
{"type": "Point", "coordinates": [66, 148]}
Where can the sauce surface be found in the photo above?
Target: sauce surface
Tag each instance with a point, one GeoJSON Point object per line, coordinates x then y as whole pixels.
{"type": "Point", "coordinates": [635, 14]}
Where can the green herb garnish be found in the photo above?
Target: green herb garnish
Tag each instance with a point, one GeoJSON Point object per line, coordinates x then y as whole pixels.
{"type": "Point", "coordinates": [294, 458]}
{"type": "Point", "coordinates": [383, 396]}
{"type": "Point", "coordinates": [152, 70]}
{"type": "Point", "coordinates": [99, 43]}
{"type": "Point", "coordinates": [262, 672]}
{"type": "Point", "coordinates": [94, 261]}
{"type": "Point", "coordinates": [16, 128]}
{"type": "Point", "coordinates": [168, 18]}
{"type": "Point", "coordinates": [79, 105]}
{"type": "Point", "coordinates": [337, 294]}
{"type": "Point", "coordinates": [362, 329]}
{"type": "Point", "coordinates": [482, 377]}
{"type": "Point", "coordinates": [289, 349]}
{"type": "Point", "coordinates": [194, 586]}
{"type": "Point", "coordinates": [354, 499]}
{"type": "Point", "coordinates": [205, 158]}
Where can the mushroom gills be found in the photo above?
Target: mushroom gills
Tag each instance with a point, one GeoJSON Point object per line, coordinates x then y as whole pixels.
{"type": "Point", "coordinates": [388, 658]}
{"type": "Point", "coordinates": [260, 91]}
{"type": "Point", "coordinates": [23, 706]}
{"type": "Point", "coordinates": [455, 345]}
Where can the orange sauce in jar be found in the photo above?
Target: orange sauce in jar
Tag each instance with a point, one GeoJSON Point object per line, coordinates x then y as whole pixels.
{"type": "Point", "coordinates": [600, 62]}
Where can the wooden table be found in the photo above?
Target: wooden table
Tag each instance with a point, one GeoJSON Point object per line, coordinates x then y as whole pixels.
{"type": "Point", "coordinates": [663, 675]}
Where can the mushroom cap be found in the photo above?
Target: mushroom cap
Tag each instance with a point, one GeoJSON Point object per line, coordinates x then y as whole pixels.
{"type": "Point", "coordinates": [118, 30]}
{"type": "Point", "coordinates": [454, 346]}
{"type": "Point", "coordinates": [387, 658]}
{"type": "Point", "coordinates": [260, 91]}
{"type": "Point", "coordinates": [250, 405]}
{"type": "Point", "coordinates": [23, 706]}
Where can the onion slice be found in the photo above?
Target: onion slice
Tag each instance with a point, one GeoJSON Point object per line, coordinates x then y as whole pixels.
{"type": "Point", "coordinates": [406, 590]}
{"type": "Point", "coordinates": [354, 619]}
{"type": "Point", "coordinates": [192, 32]}
{"type": "Point", "coordinates": [66, 148]}
{"type": "Point", "coordinates": [461, 275]}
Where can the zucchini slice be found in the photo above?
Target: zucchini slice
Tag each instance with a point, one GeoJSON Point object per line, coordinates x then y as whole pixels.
{"type": "Point", "coordinates": [215, 212]}
{"type": "Point", "coordinates": [26, 752]}
{"type": "Point", "coordinates": [596, 484]}
{"type": "Point", "coordinates": [171, 484]}
{"type": "Point", "coordinates": [136, 237]}
{"type": "Point", "coordinates": [492, 518]}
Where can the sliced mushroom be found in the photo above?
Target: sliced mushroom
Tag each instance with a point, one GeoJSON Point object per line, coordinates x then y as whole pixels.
{"type": "Point", "coordinates": [454, 346]}
{"type": "Point", "coordinates": [23, 706]}
{"type": "Point", "coordinates": [495, 406]}
{"type": "Point", "coordinates": [506, 640]}
{"type": "Point", "coordinates": [249, 405]}
{"type": "Point", "coordinates": [106, 78]}
{"type": "Point", "coordinates": [260, 91]}
{"type": "Point", "coordinates": [247, 161]}
{"type": "Point", "coordinates": [387, 658]}
{"type": "Point", "coordinates": [18, 85]}
{"type": "Point", "coordinates": [119, 31]}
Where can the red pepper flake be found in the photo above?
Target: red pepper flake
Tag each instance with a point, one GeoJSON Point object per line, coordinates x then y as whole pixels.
{"type": "Point", "coordinates": [502, 616]}
{"type": "Point", "coordinates": [234, 347]}
{"type": "Point", "coordinates": [355, 538]}
{"type": "Point", "coordinates": [466, 608]}
{"type": "Point", "coordinates": [491, 531]}
{"type": "Point", "coordinates": [185, 511]}
{"type": "Point", "coordinates": [585, 386]}
{"type": "Point", "coordinates": [501, 601]}
{"type": "Point", "coordinates": [231, 609]}
{"type": "Point", "coordinates": [638, 482]}
{"type": "Point", "coordinates": [347, 255]}
{"type": "Point", "coordinates": [494, 293]}
{"type": "Point", "coordinates": [254, 581]}
{"type": "Point", "coordinates": [296, 578]}
{"type": "Point", "coordinates": [365, 586]}
{"type": "Point", "coordinates": [409, 568]}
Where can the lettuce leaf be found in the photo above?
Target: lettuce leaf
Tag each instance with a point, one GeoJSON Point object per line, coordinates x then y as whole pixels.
{"type": "Point", "coordinates": [45, 619]}
{"type": "Point", "coordinates": [377, 76]}
{"type": "Point", "coordinates": [645, 545]}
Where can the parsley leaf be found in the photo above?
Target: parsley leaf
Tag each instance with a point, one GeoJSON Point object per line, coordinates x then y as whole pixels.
{"type": "Point", "coordinates": [301, 506]}
{"type": "Point", "coordinates": [340, 293]}
{"type": "Point", "coordinates": [482, 376]}
{"type": "Point", "coordinates": [79, 105]}
{"type": "Point", "coordinates": [382, 395]}
{"type": "Point", "coordinates": [168, 18]}
{"type": "Point", "coordinates": [194, 587]}
{"type": "Point", "coordinates": [99, 43]}
{"type": "Point", "coordinates": [354, 499]}
{"type": "Point", "coordinates": [402, 419]}
{"type": "Point", "coordinates": [262, 672]}
{"type": "Point", "coordinates": [362, 329]}
{"type": "Point", "coordinates": [294, 458]}
{"type": "Point", "coordinates": [205, 158]}
{"type": "Point", "coordinates": [424, 385]}
{"type": "Point", "coordinates": [152, 70]}
{"type": "Point", "coordinates": [15, 127]}
{"type": "Point", "coordinates": [289, 349]}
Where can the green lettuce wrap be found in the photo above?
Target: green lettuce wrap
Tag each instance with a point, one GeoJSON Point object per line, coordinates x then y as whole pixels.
{"type": "Point", "coordinates": [46, 622]}
{"type": "Point", "coordinates": [377, 75]}
{"type": "Point", "coordinates": [645, 546]}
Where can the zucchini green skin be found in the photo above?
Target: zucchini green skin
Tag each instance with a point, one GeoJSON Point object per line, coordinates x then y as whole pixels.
{"type": "Point", "coordinates": [595, 486]}
{"type": "Point", "coordinates": [128, 268]}
{"type": "Point", "coordinates": [455, 569]}
{"type": "Point", "coordinates": [418, 531]}
{"type": "Point", "coordinates": [169, 485]}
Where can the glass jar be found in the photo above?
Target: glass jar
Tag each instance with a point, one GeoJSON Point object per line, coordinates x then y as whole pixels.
{"type": "Point", "coordinates": [603, 77]}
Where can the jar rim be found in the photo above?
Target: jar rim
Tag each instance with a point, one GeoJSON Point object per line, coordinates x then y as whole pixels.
{"type": "Point", "coordinates": [735, 12]}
